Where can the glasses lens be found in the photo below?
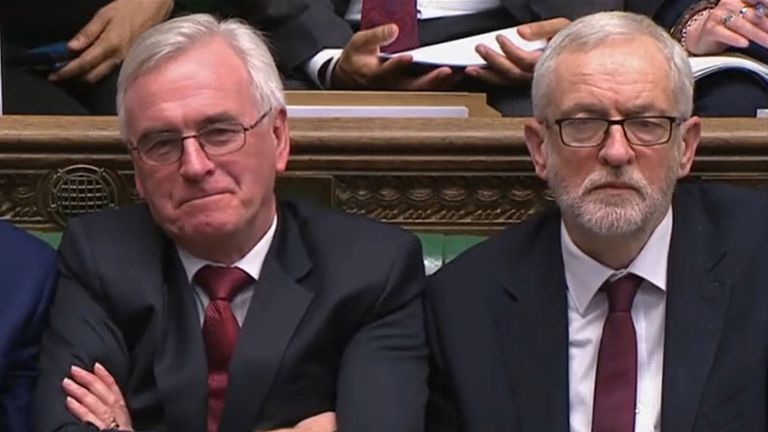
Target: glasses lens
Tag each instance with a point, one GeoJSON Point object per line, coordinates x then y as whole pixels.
{"type": "Point", "coordinates": [582, 132]}
{"type": "Point", "coordinates": [650, 130]}
{"type": "Point", "coordinates": [160, 149]}
{"type": "Point", "coordinates": [224, 138]}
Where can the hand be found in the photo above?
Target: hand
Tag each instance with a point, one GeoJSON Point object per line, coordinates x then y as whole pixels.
{"type": "Point", "coordinates": [360, 67]}
{"type": "Point", "coordinates": [95, 398]}
{"type": "Point", "coordinates": [514, 64]}
{"type": "Point", "coordinates": [106, 38]}
{"type": "Point", "coordinates": [730, 23]}
{"type": "Point", "coordinates": [323, 422]}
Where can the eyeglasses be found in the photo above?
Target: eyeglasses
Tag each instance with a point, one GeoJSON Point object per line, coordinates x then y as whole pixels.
{"type": "Point", "coordinates": [640, 131]}
{"type": "Point", "coordinates": [216, 140]}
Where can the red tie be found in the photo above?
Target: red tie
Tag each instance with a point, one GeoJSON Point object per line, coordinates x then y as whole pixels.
{"type": "Point", "coordinates": [220, 330]}
{"type": "Point", "coordinates": [616, 377]}
{"type": "Point", "coordinates": [400, 12]}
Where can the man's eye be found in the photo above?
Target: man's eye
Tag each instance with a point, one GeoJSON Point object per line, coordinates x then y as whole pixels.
{"type": "Point", "coordinates": [220, 135]}
{"type": "Point", "coordinates": [161, 146]}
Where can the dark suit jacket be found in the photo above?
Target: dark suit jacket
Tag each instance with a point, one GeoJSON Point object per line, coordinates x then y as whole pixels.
{"type": "Point", "coordinates": [27, 277]}
{"type": "Point", "coordinates": [498, 326]}
{"type": "Point", "coordinates": [321, 24]}
{"type": "Point", "coordinates": [335, 323]}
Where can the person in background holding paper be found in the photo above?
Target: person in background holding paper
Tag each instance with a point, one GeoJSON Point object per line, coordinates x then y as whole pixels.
{"type": "Point", "coordinates": [712, 27]}
{"type": "Point", "coordinates": [93, 34]}
{"type": "Point", "coordinates": [337, 43]}
{"type": "Point", "coordinates": [634, 304]}
{"type": "Point", "coordinates": [214, 305]}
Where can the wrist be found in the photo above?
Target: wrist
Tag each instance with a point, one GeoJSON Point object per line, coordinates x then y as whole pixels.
{"type": "Point", "coordinates": [692, 29]}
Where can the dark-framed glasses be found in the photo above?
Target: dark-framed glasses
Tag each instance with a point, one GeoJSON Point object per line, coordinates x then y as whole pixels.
{"type": "Point", "coordinates": [216, 139]}
{"type": "Point", "coordinates": [639, 131]}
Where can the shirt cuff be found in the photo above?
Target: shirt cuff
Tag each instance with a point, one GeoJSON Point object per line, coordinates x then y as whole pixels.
{"type": "Point", "coordinates": [322, 63]}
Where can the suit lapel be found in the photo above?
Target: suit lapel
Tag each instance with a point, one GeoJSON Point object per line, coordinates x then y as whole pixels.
{"type": "Point", "coordinates": [276, 308]}
{"type": "Point", "coordinates": [533, 331]}
{"type": "Point", "coordinates": [697, 299]}
{"type": "Point", "coordinates": [180, 364]}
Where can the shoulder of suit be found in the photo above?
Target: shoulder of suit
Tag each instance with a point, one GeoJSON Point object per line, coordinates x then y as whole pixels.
{"type": "Point", "coordinates": [505, 247]}
{"type": "Point", "coordinates": [17, 243]}
{"type": "Point", "coordinates": [724, 203]}
{"type": "Point", "coordinates": [325, 220]}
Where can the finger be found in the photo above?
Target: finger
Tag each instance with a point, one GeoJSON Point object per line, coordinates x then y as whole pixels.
{"type": "Point", "coordinates": [93, 385]}
{"type": "Point", "coordinates": [106, 378]}
{"type": "Point", "coordinates": [91, 58]}
{"type": "Point", "coordinates": [502, 65]}
{"type": "Point", "coordinates": [89, 33]}
{"type": "Point", "coordinates": [439, 79]}
{"type": "Point", "coordinates": [82, 413]}
{"type": "Point", "coordinates": [755, 17]}
{"type": "Point", "coordinates": [525, 60]}
{"type": "Point", "coordinates": [487, 76]}
{"type": "Point", "coordinates": [368, 41]}
{"type": "Point", "coordinates": [84, 398]}
{"type": "Point", "coordinates": [397, 63]}
{"type": "Point", "coordinates": [323, 422]}
{"type": "Point", "coordinates": [542, 29]}
{"type": "Point", "coordinates": [101, 70]}
{"type": "Point", "coordinates": [749, 31]}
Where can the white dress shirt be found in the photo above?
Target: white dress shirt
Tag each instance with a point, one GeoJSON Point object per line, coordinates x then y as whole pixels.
{"type": "Point", "coordinates": [587, 310]}
{"type": "Point", "coordinates": [426, 9]}
{"type": "Point", "coordinates": [251, 263]}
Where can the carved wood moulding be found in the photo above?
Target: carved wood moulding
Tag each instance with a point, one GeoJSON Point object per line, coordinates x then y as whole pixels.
{"type": "Point", "coordinates": [444, 174]}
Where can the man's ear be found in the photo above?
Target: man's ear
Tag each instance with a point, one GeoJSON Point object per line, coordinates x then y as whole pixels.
{"type": "Point", "coordinates": [535, 133]}
{"type": "Point", "coordinates": [282, 136]}
{"type": "Point", "coordinates": [691, 135]}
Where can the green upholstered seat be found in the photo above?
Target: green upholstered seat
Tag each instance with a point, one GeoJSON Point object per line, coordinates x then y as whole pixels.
{"type": "Point", "coordinates": [437, 248]}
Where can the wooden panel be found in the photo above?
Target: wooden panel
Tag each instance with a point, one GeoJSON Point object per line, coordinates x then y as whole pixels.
{"type": "Point", "coordinates": [467, 175]}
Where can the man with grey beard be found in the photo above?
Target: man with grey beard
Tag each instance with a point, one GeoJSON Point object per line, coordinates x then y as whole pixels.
{"type": "Point", "coordinates": [634, 304]}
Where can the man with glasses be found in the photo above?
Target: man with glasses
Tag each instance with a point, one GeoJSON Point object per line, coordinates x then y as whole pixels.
{"type": "Point", "coordinates": [214, 306]}
{"type": "Point", "coordinates": [634, 304]}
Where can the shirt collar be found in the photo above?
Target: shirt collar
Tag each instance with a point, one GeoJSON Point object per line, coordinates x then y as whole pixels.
{"type": "Point", "coordinates": [585, 276]}
{"type": "Point", "coordinates": [251, 263]}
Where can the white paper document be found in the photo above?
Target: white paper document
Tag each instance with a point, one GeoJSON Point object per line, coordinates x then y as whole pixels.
{"type": "Point", "coordinates": [377, 111]}
{"type": "Point", "coordinates": [703, 66]}
{"type": "Point", "coordinates": [461, 52]}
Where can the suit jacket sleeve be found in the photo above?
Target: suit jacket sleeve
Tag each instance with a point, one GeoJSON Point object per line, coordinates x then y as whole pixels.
{"type": "Point", "coordinates": [29, 270]}
{"type": "Point", "coordinates": [82, 331]}
{"type": "Point", "coordinates": [299, 36]}
{"type": "Point", "coordinates": [383, 370]}
{"type": "Point", "coordinates": [442, 407]}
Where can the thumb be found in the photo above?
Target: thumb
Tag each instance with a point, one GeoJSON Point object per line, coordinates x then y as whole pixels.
{"type": "Point", "coordinates": [542, 29]}
{"type": "Point", "coordinates": [371, 39]}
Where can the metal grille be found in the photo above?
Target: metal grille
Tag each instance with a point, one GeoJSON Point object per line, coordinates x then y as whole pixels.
{"type": "Point", "coordinates": [80, 189]}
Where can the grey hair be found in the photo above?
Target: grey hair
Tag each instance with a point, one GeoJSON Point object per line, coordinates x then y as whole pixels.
{"type": "Point", "coordinates": [592, 31]}
{"type": "Point", "coordinates": [166, 40]}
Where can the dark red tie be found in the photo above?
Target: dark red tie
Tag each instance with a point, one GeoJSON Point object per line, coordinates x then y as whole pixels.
{"type": "Point", "coordinates": [616, 377]}
{"type": "Point", "coordinates": [400, 12]}
{"type": "Point", "coordinates": [220, 330]}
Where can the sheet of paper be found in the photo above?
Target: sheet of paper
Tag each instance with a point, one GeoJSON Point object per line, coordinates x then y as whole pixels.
{"type": "Point", "coordinates": [377, 111]}
{"type": "Point", "coordinates": [703, 66]}
{"type": "Point", "coordinates": [461, 52]}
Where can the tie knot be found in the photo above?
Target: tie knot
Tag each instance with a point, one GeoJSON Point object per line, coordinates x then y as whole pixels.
{"type": "Point", "coordinates": [222, 283]}
{"type": "Point", "coordinates": [621, 292]}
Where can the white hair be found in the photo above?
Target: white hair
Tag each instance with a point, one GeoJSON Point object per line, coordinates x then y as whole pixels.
{"type": "Point", "coordinates": [593, 31]}
{"type": "Point", "coordinates": [166, 40]}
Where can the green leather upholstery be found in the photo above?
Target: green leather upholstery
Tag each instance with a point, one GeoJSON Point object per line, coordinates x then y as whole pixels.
{"type": "Point", "coordinates": [438, 248]}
